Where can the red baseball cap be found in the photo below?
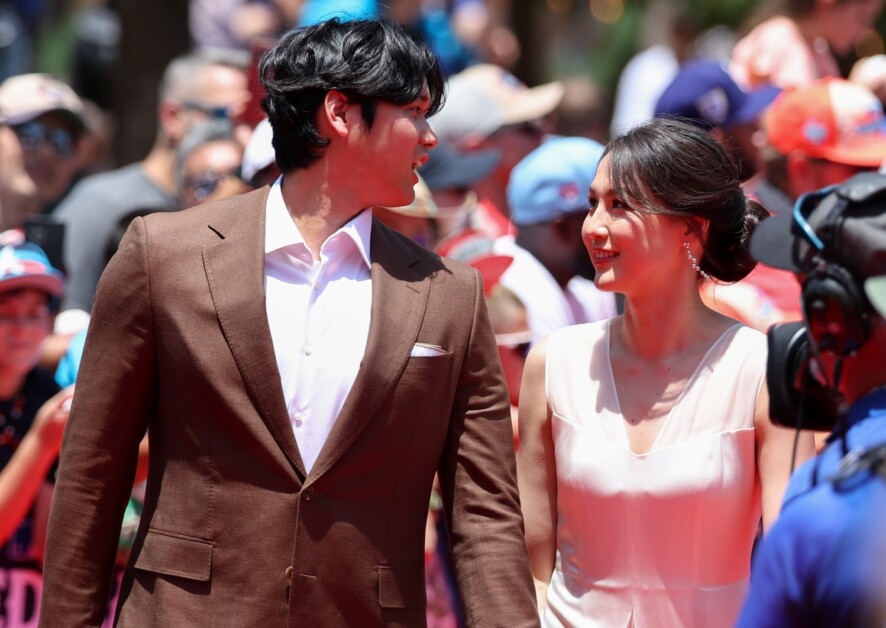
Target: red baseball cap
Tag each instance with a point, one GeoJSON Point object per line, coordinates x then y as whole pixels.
{"type": "Point", "coordinates": [831, 119]}
{"type": "Point", "coordinates": [476, 249]}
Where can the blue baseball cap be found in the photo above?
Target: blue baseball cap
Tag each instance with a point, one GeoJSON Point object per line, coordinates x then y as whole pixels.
{"type": "Point", "coordinates": [705, 94]}
{"type": "Point", "coordinates": [553, 180]}
{"type": "Point", "coordinates": [25, 265]}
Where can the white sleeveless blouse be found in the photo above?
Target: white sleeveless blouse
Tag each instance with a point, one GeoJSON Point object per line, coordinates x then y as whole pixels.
{"type": "Point", "coordinates": [664, 538]}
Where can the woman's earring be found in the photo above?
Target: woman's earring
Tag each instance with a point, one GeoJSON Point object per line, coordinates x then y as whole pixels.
{"type": "Point", "coordinates": [694, 262]}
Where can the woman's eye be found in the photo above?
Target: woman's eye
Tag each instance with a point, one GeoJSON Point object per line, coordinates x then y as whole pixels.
{"type": "Point", "coordinates": [592, 203]}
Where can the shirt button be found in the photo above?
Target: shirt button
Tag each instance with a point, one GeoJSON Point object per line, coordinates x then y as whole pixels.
{"type": "Point", "coordinates": [317, 286]}
{"type": "Point", "coordinates": [308, 349]}
{"type": "Point", "coordinates": [288, 572]}
{"type": "Point", "coordinates": [299, 418]}
{"type": "Point", "coordinates": [308, 494]}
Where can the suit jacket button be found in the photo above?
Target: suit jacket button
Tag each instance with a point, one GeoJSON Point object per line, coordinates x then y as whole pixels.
{"type": "Point", "coordinates": [288, 573]}
{"type": "Point", "coordinates": [308, 493]}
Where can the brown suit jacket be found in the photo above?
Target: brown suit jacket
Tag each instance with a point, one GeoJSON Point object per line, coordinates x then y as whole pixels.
{"type": "Point", "coordinates": [234, 532]}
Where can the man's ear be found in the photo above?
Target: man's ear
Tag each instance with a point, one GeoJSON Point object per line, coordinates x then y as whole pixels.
{"type": "Point", "coordinates": [170, 118]}
{"type": "Point", "coordinates": [337, 113]}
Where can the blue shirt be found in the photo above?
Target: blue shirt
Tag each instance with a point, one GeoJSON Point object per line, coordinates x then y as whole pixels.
{"type": "Point", "coordinates": [866, 427]}
{"type": "Point", "coordinates": [822, 563]}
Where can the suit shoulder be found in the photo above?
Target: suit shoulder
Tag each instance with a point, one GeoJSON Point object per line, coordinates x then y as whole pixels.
{"type": "Point", "coordinates": [212, 220]}
{"type": "Point", "coordinates": [445, 267]}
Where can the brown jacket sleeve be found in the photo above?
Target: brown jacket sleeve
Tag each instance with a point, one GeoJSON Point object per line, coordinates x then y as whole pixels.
{"type": "Point", "coordinates": [109, 416]}
{"type": "Point", "coordinates": [479, 487]}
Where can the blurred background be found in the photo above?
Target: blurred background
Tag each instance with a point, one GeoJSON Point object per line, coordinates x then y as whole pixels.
{"type": "Point", "coordinates": [113, 52]}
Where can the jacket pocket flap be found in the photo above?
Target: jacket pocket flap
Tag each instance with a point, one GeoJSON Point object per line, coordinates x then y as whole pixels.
{"type": "Point", "coordinates": [175, 555]}
{"type": "Point", "coordinates": [401, 587]}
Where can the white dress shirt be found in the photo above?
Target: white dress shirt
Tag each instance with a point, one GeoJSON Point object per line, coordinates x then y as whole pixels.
{"type": "Point", "coordinates": [318, 312]}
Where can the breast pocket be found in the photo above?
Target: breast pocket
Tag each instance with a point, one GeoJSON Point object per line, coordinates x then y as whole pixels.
{"type": "Point", "coordinates": [425, 368]}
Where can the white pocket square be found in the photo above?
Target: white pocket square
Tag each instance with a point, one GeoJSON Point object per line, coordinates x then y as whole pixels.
{"type": "Point", "coordinates": [425, 350]}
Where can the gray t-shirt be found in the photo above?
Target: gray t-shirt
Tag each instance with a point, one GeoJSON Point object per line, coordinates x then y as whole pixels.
{"type": "Point", "coordinates": [91, 212]}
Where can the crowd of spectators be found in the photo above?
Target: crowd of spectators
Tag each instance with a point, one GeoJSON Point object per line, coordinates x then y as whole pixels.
{"type": "Point", "coordinates": [505, 191]}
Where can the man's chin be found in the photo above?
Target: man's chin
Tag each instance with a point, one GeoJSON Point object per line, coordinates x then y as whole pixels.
{"type": "Point", "coordinates": [403, 200]}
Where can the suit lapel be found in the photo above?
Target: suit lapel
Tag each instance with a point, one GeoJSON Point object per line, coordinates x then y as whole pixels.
{"type": "Point", "coordinates": [399, 298]}
{"type": "Point", "coordinates": [234, 268]}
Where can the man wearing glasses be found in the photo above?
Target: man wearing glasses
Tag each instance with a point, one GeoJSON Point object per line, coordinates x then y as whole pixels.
{"type": "Point", "coordinates": [193, 89]}
{"type": "Point", "coordinates": [46, 117]}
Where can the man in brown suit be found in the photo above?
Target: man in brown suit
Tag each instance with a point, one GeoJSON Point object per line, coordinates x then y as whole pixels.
{"type": "Point", "coordinates": [301, 379]}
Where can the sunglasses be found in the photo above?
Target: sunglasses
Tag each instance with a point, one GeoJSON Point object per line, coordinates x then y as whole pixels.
{"type": "Point", "coordinates": [204, 184]}
{"type": "Point", "coordinates": [216, 112]}
{"type": "Point", "coordinates": [34, 135]}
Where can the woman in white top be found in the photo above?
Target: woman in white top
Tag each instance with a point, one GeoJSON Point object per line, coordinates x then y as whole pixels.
{"type": "Point", "coordinates": [647, 455]}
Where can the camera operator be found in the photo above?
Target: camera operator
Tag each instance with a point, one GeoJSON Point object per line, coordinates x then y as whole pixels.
{"type": "Point", "coordinates": [824, 561]}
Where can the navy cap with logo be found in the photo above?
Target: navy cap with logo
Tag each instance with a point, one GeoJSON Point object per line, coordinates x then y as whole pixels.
{"type": "Point", "coordinates": [704, 93]}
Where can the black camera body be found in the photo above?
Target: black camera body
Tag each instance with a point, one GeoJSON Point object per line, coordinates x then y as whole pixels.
{"type": "Point", "coordinates": [848, 223]}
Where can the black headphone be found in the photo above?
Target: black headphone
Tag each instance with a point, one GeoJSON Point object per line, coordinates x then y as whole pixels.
{"type": "Point", "coordinates": [836, 310]}
{"type": "Point", "coordinates": [834, 304]}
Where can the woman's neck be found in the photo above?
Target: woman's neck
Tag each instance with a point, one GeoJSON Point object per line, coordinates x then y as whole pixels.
{"type": "Point", "coordinates": [655, 326]}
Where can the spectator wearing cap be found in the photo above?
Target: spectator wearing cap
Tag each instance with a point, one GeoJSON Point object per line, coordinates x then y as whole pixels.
{"type": "Point", "coordinates": [208, 163]}
{"type": "Point", "coordinates": [451, 177]}
{"type": "Point", "coordinates": [194, 88]}
{"type": "Point", "coordinates": [820, 135]}
{"type": "Point", "coordinates": [488, 107]}
{"type": "Point", "coordinates": [705, 94]}
{"type": "Point", "coordinates": [33, 414]}
{"type": "Point", "coordinates": [47, 119]}
{"type": "Point", "coordinates": [550, 274]}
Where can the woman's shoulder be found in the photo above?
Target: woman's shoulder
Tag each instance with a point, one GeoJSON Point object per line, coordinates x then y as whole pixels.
{"type": "Point", "coordinates": [571, 346]}
{"type": "Point", "coordinates": [741, 347]}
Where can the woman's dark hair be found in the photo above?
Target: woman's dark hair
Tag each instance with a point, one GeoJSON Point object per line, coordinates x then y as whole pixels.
{"type": "Point", "coordinates": [367, 60]}
{"type": "Point", "coordinates": [674, 168]}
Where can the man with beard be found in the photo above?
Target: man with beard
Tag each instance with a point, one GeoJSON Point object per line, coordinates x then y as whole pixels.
{"type": "Point", "coordinates": [551, 272]}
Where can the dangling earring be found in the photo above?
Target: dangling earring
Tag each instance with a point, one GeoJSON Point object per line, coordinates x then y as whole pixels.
{"type": "Point", "coordinates": [694, 262]}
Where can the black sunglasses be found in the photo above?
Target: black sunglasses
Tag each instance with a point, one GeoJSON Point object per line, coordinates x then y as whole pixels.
{"type": "Point", "coordinates": [216, 112]}
{"type": "Point", "coordinates": [34, 135]}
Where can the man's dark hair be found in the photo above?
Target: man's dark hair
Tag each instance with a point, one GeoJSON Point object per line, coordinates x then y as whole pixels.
{"type": "Point", "coordinates": [367, 60]}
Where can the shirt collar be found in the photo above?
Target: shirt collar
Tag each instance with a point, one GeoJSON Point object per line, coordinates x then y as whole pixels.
{"type": "Point", "coordinates": [281, 232]}
{"type": "Point", "coordinates": [871, 405]}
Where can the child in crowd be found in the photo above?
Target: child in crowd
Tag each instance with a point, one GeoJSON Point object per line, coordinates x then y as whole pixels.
{"type": "Point", "coordinates": [33, 413]}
